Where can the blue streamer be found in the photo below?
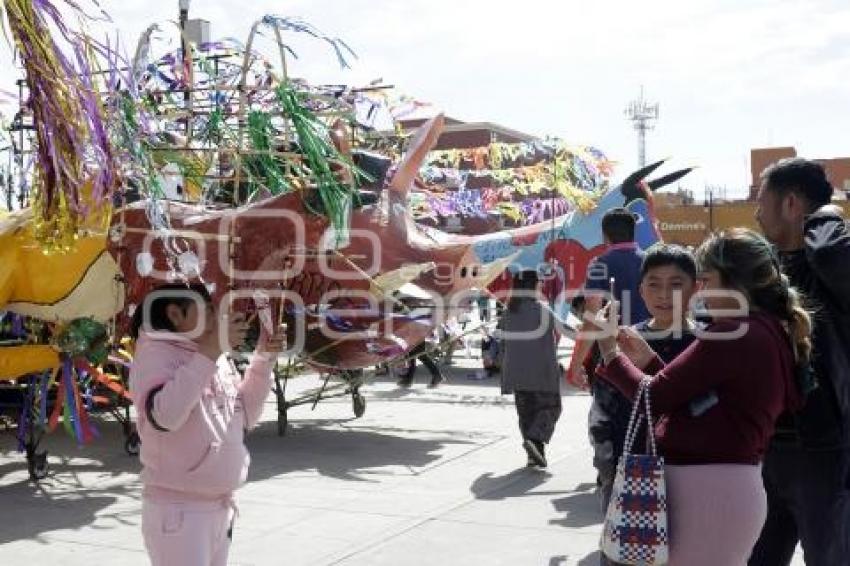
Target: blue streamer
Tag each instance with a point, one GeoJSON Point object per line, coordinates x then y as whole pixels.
{"type": "Point", "coordinates": [70, 400]}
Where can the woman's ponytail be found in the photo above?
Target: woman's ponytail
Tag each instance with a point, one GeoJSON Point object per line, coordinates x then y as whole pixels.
{"type": "Point", "coordinates": [799, 324]}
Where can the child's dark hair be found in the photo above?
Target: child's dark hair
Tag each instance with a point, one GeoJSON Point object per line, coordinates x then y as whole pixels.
{"type": "Point", "coordinates": [660, 254]}
{"type": "Point", "coordinates": [618, 225]}
{"type": "Point", "coordinates": [156, 303]}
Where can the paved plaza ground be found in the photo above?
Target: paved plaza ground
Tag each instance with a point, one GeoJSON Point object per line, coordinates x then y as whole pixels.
{"type": "Point", "coordinates": [425, 477]}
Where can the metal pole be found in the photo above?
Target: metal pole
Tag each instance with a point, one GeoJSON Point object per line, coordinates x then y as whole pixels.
{"type": "Point", "coordinates": [187, 64]}
{"type": "Point", "coordinates": [711, 211]}
{"type": "Point", "coordinates": [641, 145]}
{"type": "Point", "coordinates": [20, 156]}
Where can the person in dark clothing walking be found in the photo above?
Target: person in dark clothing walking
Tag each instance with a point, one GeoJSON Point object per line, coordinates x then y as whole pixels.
{"type": "Point", "coordinates": [806, 466]}
{"type": "Point", "coordinates": [483, 301]}
{"type": "Point", "coordinates": [530, 366]}
{"type": "Point", "coordinates": [422, 354]}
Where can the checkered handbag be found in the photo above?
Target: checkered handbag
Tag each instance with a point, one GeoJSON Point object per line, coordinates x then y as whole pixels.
{"type": "Point", "coordinates": [635, 530]}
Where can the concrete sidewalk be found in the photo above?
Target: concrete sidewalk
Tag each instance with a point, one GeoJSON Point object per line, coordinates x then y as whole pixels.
{"type": "Point", "coordinates": [424, 477]}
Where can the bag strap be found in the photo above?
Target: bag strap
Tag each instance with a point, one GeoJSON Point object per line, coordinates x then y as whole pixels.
{"type": "Point", "coordinates": [149, 408]}
{"type": "Point", "coordinates": [650, 428]}
{"type": "Point", "coordinates": [637, 417]}
{"type": "Point", "coordinates": [634, 421]}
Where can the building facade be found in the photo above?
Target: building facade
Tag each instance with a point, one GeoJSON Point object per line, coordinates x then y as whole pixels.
{"type": "Point", "coordinates": [837, 169]}
{"type": "Point", "coordinates": [691, 224]}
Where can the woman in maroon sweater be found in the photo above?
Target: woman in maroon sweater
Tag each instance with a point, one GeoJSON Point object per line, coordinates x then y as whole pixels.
{"type": "Point", "coordinates": [719, 399]}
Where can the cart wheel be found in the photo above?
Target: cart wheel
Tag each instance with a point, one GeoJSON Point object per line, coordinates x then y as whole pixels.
{"type": "Point", "coordinates": [448, 355]}
{"type": "Point", "coordinates": [358, 403]}
{"type": "Point", "coordinates": [37, 465]}
{"type": "Point", "coordinates": [402, 371]}
{"type": "Point", "coordinates": [282, 421]}
{"type": "Point", "coordinates": [133, 444]}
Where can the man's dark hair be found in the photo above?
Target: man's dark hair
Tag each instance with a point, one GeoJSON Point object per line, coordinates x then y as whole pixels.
{"type": "Point", "coordinates": [618, 225]}
{"type": "Point", "coordinates": [524, 282]}
{"type": "Point", "coordinates": [158, 301]}
{"type": "Point", "coordinates": [659, 255]}
{"type": "Point", "coordinates": [804, 177]}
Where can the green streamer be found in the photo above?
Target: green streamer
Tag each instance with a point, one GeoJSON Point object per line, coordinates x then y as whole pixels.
{"type": "Point", "coordinates": [314, 143]}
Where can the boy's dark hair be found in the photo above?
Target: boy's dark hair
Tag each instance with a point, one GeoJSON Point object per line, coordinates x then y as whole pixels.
{"type": "Point", "coordinates": [659, 255]}
{"type": "Point", "coordinates": [618, 225]}
{"type": "Point", "coordinates": [157, 302]}
{"type": "Point", "coordinates": [804, 177]}
{"type": "Point", "coordinates": [578, 304]}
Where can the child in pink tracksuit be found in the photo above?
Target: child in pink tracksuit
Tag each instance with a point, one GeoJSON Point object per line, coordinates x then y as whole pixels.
{"type": "Point", "coordinates": [193, 409]}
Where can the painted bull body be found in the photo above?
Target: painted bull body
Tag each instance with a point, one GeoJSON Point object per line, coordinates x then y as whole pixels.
{"type": "Point", "coordinates": [338, 298]}
{"type": "Point", "coordinates": [569, 242]}
{"type": "Point", "coordinates": [336, 295]}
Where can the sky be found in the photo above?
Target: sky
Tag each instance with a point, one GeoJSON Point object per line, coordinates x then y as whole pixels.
{"type": "Point", "coordinates": [727, 75]}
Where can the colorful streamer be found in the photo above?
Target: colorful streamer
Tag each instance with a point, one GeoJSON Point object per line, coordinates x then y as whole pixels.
{"type": "Point", "coordinates": [75, 172]}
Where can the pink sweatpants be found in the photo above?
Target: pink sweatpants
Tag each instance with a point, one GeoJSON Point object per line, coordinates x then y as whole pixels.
{"type": "Point", "coordinates": [716, 513]}
{"type": "Point", "coordinates": [180, 533]}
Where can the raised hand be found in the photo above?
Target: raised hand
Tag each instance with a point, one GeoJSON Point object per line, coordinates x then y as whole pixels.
{"type": "Point", "coordinates": [272, 343]}
{"type": "Point", "coordinates": [604, 324]}
{"type": "Point", "coordinates": [633, 345]}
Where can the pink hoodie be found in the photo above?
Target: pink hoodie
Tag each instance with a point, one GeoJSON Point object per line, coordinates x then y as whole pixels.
{"type": "Point", "coordinates": [205, 408]}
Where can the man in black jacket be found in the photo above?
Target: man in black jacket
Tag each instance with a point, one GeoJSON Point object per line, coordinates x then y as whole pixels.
{"type": "Point", "coordinates": [806, 466]}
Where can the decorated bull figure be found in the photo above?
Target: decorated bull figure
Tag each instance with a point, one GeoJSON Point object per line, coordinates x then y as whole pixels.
{"type": "Point", "coordinates": [337, 289]}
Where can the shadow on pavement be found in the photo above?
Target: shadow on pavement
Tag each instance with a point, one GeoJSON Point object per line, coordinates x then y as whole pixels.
{"type": "Point", "coordinates": [458, 377]}
{"type": "Point", "coordinates": [591, 559]}
{"type": "Point", "coordinates": [581, 507]}
{"type": "Point", "coordinates": [517, 483]}
{"type": "Point", "coordinates": [464, 371]}
{"type": "Point", "coordinates": [48, 513]}
{"type": "Point", "coordinates": [340, 452]}
{"type": "Point", "coordinates": [68, 498]}
{"type": "Point", "coordinates": [81, 482]}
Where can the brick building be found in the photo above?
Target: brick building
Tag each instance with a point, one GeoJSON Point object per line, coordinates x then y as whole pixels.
{"type": "Point", "coordinates": [463, 135]}
{"type": "Point", "coordinates": [837, 169]}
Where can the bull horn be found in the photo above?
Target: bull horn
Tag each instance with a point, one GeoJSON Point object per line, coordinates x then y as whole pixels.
{"type": "Point", "coordinates": [667, 179]}
{"type": "Point", "coordinates": [642, 173]}
{"type": "Point", "coordinates": [387, 283]}
{"type": "Point", "coordinates": [423, 141]}
{"type": "Point", "coordinates": [491, 270]}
